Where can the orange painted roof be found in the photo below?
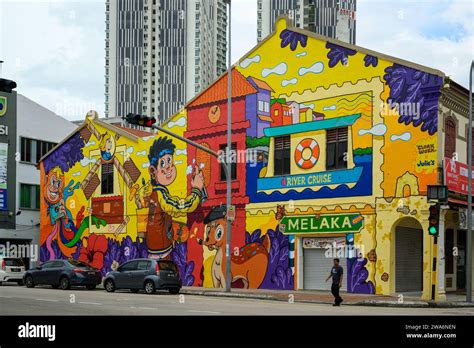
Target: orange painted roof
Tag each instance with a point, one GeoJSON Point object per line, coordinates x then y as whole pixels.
{"type": "Point", "coordinates": [261, 84]}
{"type": "Point", "coordinates": [136, 132]}
{"type": "Point", "coordinates": [218, 90]}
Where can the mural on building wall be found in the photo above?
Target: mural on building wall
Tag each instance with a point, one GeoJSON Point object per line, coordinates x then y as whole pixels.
{"type": "Point", "coordinates": [318, 130]}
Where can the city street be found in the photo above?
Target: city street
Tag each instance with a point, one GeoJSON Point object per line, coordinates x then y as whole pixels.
{"type": "Point", "coordinates": [15, 300]}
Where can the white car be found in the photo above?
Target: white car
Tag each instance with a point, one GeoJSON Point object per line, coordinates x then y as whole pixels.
{"type": "Point", "coordinates": [12, 270]}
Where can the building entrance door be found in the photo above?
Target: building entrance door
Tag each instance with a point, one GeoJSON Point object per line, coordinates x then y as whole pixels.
{"type": "Point", "coordinates": [455, 259]}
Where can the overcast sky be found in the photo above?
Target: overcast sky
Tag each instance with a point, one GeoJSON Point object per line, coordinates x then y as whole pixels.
{"type": "Point", "coordinates": [54, 49]}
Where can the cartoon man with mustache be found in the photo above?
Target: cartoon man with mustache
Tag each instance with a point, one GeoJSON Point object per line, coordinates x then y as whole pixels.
{"type": "Point", "coordinates": [162, 206]}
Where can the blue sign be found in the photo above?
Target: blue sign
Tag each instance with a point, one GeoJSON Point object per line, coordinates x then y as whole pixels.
{"type": "Point", "coordinates": [334, 177]}
{"type": "Point", "coordinates": [3, 200]}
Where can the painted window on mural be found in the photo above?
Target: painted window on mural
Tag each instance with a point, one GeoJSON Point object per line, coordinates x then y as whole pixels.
{"type": "Point", "coordinates": [336, 148]}
{"type": "Point", "coordinates": [450, 138]}
{"type": "Point", "coordinates": [282, 155]}
{"type": "Point", "coordinates": [233, 169]}
{"type": "Point", "coordinates": [107, 181]}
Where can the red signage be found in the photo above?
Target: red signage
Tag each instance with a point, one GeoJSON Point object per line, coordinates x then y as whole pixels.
{"type": "Point", "coordinates": [455, 176]}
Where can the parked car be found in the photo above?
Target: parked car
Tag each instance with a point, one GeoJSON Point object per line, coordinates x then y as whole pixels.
{"type": "Point", "coordinates": [144, 274]}
{"type": "Point", "coordinates": [63, 274]}
{"type": "Point", "coordinates": [12, 270]}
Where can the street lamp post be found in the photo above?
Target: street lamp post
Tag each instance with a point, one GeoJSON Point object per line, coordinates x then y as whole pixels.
{"type": "Point", "coordinates": [469, 197]}
{"type": "Point", "coordinates": [228, 164]}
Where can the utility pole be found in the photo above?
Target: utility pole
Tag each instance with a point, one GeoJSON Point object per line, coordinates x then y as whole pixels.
{"type": "Point", "coordinates": [469, 197]}
{"type": "Point", "coordinates": [228, 276]}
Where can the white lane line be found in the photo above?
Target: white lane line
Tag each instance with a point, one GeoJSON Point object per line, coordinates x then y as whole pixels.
{"type": "Point", "coordinates": [91, 303]}
{"type": "Point", "coordinates": [46, 299]}
{"type": "Point", "coordinates": [5, 296]}
{"type": "Point", "coordinates": [208, 312]}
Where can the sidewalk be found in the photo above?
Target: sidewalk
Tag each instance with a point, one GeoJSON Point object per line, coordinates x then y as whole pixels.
{"type": "Point", "coordinates": [324, 297]}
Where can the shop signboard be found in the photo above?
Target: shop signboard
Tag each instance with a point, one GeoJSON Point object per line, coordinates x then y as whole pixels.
{"type": "Point", "coordinates": [455, 176]}
{"type": "Point", "coordinates": [3, 176]}
{"type": "Point", "coordinates": [329, 223]}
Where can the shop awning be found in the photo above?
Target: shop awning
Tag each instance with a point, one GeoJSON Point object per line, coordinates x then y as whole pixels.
{"type": "Point", "coordinates": [458, 201]}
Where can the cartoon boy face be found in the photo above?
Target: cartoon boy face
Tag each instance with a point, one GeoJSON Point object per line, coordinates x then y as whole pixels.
{"type": "Point", "coordinates": [164, 172]}
{"type": "Point", "coordinates": [53, 187]}
{"type": "Point", "coordinates": [108, 145]}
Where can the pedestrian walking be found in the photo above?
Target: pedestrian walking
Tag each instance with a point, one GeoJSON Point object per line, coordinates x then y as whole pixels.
{"type": "Point", "coordinates": [337, 274]}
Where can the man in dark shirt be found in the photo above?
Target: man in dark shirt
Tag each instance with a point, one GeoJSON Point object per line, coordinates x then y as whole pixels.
{"type": "Point", "coordinates": [337, 274]}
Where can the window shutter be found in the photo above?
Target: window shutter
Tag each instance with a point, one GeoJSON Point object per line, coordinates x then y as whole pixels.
{"type": "Point", "coordinates": [337, 134]}
{"type": "Point", "coordinates": [282, 143]}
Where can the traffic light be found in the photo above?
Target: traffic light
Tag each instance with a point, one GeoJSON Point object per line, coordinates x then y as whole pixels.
{"type": "Point", "coordinates": [140, 120]}
{"type": "Point", "coordinates": [433, 220]}
{"type": "Point", "coordinates": [7, 85]}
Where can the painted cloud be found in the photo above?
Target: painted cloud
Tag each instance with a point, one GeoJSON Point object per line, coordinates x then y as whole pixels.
{"type": "Point", "coordinates": [180, 122]}
{"type": "Point", "coordinates": [404, 137]}
{"type": "Point", "coordinates": [316, 68]}
{"type": "Point", "coordinates": [280, 69]}
{"type": "Point", "coordinates": [248, 61]}
{"type": "Point", "coordinates": [377, 130]}
{"type": "Point", "coordinates": [293, 81]}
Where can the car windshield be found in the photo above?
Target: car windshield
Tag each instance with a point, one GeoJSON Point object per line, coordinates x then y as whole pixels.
{"type": "Point", "coordinates": [14, 262]}
{"type": "Point", "coordinates": [167, 266]}
{"type": "Point", "coordinates": [77, 263]}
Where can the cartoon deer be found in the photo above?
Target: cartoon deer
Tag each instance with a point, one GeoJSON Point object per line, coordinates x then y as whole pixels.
{"type": "Point", "coordinates": [249, 265]}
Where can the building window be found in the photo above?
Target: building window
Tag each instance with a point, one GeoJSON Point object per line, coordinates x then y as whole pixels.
{"type": "Point", "coordinates": [449, 138]}
{"type": "Point", "coordinates": [282, 155]}
{"type": "Point", "coordinates": [275, 112]}
{"type": "Point", "coordinates": [107, 182]}
{"type": "Point", "coordinates": [336, 148]}
{"type": "Point", "coordinates": [33, 150]}
{"type": "Point", "coordinates": [233, 158]}
{"type": "Point", "coordinates": [29, 196]}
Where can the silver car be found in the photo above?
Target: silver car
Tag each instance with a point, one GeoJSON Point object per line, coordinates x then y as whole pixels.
{"type": "Point", "coordinates": [12, 270]}
{"type": "Point", "coordinates": [144, 274]}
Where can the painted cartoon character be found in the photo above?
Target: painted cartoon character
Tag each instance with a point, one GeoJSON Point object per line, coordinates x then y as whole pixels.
{"type": "Point", "coordinates": [64, 229]}
{"type": "Point", "coordinates": [106, 147]}
{"type": "Point", "coordinates": [248, 265]}
{"type": "Point", "coordinates": [161, 231]}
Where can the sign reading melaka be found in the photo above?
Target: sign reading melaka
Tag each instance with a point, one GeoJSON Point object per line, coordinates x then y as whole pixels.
{"type": "Point", "coordinates": [330, 223]}
{"type": "Point", "coordinates": [455, 176]}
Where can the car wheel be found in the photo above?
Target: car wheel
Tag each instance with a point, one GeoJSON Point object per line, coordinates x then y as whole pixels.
{"type": "Point", "coordinates": [20, 282]}
{"type": "Point", "coordinates": [174, 291]}
{"type": "Point", "coordinates": [134, 290]}
{"type": "Point", "coordinates": [64, 283]}
{"type": "Point", "coordinates": [90, 287]}
{"type": "Point", "coordinates": [29, 282]}
{"type": "Point", "coordinates": [149, 287]}
{"type": "Point", "coordinates": [109, 285]}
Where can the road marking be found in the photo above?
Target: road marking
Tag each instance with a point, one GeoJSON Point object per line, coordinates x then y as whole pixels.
{"type": "Point", "coordinates": [91, 303]}
{"type": "Point", "coordinates": [45, 299]}
{"type": "Point", "coordinates": [208, 312]}
{"type": "Point", "coordinates": [5, 296]}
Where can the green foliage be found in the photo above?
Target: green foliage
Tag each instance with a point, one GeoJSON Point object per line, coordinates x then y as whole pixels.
{"type": "Point", "coordinates": [255, 142]}
{"type": "Point", "coordinates": [364, 151]}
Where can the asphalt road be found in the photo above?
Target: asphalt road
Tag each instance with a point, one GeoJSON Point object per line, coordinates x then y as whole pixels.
{"type": "Point", "coordinates": [16, 300]}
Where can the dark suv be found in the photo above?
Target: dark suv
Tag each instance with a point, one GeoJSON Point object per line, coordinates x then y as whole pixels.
{"type": "Point", "coordinates": [144, 274]}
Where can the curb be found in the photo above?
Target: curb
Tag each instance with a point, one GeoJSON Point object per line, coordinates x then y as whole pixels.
{"type": "Point", "coordinates": [368, 303]}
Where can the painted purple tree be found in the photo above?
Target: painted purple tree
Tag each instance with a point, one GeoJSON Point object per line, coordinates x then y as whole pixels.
{"type": "Point", "coordinates": [357, 276]}
{"type": "Point", "coordinates": [293, 39]}
{"type": "Point", "coordinates": [417, 89]}
{"type": "Point", "coordinates": [179, 254]}
{"type": "Point", "coordinates": [338, 54]}
{"type": "Point", "coordinates": [67, 155]}
{"type": "Point", "coordinates": [279, 274]}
